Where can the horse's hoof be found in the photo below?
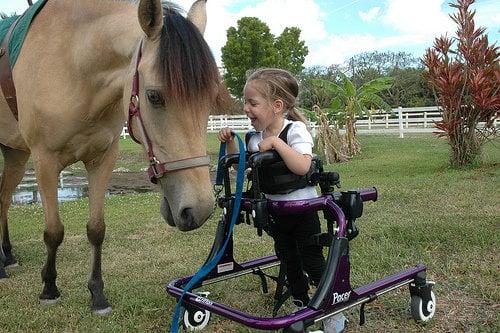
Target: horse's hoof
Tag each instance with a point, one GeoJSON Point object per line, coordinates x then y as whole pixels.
{"type": "Point", "coordinates": [104, 312]}
{"type": "Point", "coordinates": [13, 265]}
{"type": "Point", "coordinates": [3, 274]}
{"type": "Point", "coordinates": [10, 261]}
{"type": "Point", "coordinates": [44, 301]}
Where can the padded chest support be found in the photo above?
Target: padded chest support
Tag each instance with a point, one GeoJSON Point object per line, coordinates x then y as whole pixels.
{"type": "Point", "coordinates": [276, 178]}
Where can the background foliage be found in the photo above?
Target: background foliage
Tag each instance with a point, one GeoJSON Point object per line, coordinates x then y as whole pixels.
{"type": "Point", "coordinates": [251, 45]}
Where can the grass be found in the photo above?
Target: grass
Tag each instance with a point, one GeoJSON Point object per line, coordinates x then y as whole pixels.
{"type": "Point", "coordinates": [426, 212]}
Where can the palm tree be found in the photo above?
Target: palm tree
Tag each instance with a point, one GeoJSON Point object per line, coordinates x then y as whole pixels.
{"type": "Point", "coordinates": [350, 103]}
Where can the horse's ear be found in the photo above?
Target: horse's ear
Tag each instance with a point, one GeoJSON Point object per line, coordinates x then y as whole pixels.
{"type": "Point", "coordinates": [151, 17]}
{"type": "Point", "coordinates": [198, 15]}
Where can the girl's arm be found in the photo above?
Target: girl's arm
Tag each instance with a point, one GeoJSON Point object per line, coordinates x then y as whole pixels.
{"type": "Point", "coordinates": [298, 163]}
{"type": "Point", "coordinates": [225, 135]}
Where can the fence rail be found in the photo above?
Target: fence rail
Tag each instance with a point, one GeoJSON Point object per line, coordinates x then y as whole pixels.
{"type": "Point", "coordinates": [400, 120]}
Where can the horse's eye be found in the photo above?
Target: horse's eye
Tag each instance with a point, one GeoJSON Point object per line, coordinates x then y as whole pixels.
{"type": "Point", "coordinates": [155, 98]}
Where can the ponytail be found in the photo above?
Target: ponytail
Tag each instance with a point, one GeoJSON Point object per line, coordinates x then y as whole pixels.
{"type": "Point", "coordinates": [295, 115]}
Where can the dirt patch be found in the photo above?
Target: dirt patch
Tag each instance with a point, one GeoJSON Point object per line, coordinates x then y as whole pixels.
{"type": "Point", "coordinates": [134, 182]}
{"type": "Point", "coordinates": [131, 182]}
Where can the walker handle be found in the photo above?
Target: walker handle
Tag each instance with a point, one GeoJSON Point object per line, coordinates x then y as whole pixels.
{"type": "Point", "coordinates": [269, 156]}
{"type": "Point", "coordinates": [368, 194]}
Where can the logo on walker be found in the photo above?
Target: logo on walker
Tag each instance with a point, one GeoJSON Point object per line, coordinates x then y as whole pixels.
{"type": "Point", "coordinates": [203, 300]}
{"type": "Point", "coordinates": [338, 298]}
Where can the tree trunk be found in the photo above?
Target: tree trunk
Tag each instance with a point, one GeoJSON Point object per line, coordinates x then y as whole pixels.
{"type": "Point", "coordinates": [353, 146]}
{"type": "Point", "coordinates": [465, 146]}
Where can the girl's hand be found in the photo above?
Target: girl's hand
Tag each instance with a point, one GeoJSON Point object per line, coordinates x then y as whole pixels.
{"type": "Point", "coordinates": [268, 143]}
{"type": "Point", "coordinates": [225, 135]}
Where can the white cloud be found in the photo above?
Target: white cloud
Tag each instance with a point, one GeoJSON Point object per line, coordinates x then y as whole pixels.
{"type": "Point", "coordinates": [488, 15]}
{"type": "Point", "coordinates": [369, 15]}
{"type": "Point", "coordinates": [279, 14]}
{"type": "Point", "coordinates": [423, 18]}
{"type": "Point", "coordinates": [337, 49]}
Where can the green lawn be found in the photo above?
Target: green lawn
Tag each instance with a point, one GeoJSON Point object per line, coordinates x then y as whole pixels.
{"type": "Point", "coordinates": [426, 213]}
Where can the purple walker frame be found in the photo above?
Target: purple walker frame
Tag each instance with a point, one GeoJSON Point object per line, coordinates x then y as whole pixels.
{"type": "Point", "coordinates": [334, 293]}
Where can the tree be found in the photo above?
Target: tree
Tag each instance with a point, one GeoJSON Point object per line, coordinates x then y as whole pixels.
{"type": "Point", "coordinates": [351, 102]}
{"type": "Point", "coordinates": [251, 45]}
{"type": "Point", "coordinates": [410, 88]}
{"type": "Point", "coordinates": [292, 51]}
{"type": "Point", "coordinates": [466, 82]}
{"type": "Point", "coordinates": [368, 66]}
{"type": "Point", "coordinates": [310, 94]}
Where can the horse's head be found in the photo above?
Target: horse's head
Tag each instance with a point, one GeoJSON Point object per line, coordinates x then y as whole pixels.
{"type": "Point", "coordinates": [177, 86]}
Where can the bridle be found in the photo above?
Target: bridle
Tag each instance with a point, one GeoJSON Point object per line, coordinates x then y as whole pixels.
{"type": "Point", "coordinates": [156, 169]}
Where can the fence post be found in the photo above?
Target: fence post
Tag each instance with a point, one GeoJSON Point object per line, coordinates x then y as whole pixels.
{"type": "Point", "coordinates": [400, 118]}
{"type": "Point", "coordinates": [425, 119]}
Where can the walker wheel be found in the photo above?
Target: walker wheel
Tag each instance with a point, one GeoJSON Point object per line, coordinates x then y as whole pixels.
{"type": "Point", "coordinates": [423, 312]}
{"type": "Point", "coordinates": [195, 319]}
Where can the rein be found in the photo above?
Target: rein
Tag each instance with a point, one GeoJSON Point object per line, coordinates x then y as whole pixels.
{"type": "Point", "coordinates": [156, 168]}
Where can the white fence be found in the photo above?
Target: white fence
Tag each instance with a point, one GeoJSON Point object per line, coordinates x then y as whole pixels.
{"type": "Point", "coordinates": [400, 120]}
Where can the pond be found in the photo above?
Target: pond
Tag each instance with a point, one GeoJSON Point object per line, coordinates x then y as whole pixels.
{"type": "Point", "coordinates": [72, 187]}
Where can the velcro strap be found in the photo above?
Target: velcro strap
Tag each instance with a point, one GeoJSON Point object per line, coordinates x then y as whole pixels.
{"type": "Point", "coordinates": [321, 239]}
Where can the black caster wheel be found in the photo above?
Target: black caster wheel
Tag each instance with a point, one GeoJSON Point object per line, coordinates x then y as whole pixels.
{"type": "Point", "coordinates": [194, 318]}
{"type": "Point", "coordinates": [423, 308]}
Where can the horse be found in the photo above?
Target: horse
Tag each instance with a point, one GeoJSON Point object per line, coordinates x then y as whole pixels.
{"type": "Point", "coordinates": [87, 66]}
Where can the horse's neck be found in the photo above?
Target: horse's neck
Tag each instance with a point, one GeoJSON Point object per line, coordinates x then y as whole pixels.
{"type": "Point", "coordinates": [107, 35]}
{"type": "Point", "coordinates": [107, 26]}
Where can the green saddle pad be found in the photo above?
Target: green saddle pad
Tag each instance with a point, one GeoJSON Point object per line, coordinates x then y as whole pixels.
{"type": "Point", "coordinates": [19, 33]}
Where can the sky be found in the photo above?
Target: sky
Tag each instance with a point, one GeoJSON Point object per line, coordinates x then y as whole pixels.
{"type": "Point", "coordinates": [335, 30]}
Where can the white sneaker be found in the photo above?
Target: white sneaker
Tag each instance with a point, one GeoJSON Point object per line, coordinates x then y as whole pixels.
{"type": "Point", "coordinates": [299, 305]}
{"type": "Point", "coordinates": [334, 324]}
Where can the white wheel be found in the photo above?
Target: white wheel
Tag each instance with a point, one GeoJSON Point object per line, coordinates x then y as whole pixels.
{"type": "Point", "coordinates": [196, 319]}
{"type": "Point", "coordinates": [423, 312]}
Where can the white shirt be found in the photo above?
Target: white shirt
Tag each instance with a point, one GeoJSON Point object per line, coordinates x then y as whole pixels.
{"type": "Point", "coordinates": [300, 140]}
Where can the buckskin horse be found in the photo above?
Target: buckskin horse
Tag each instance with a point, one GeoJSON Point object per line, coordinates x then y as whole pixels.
{"type": "Point", "coordinates": [84, 67]}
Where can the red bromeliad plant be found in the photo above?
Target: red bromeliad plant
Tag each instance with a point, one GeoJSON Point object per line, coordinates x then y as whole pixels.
{"type": "Point", "coordinates": [466, 83]}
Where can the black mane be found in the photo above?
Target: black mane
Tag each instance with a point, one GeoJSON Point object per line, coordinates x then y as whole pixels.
{"type": "Point", "coordinates": [188, 67]}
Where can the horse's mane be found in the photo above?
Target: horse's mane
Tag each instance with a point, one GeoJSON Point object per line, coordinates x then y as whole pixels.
{"type": "Point", "coordinates": [188, 67]}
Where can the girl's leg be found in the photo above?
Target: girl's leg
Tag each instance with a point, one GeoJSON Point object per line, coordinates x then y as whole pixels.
{"type": "Point", "coordinates": [287, 251]}
{"type": "Point", "coordinates": [312, 255]}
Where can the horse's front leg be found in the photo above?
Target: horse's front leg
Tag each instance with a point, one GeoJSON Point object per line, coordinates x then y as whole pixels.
{"type": "Point", "coordinates": [13, 171]}
{"type": "Point", "coordinates": [99, 172]}
{"type": "Point", "coordinates": [47, 171]}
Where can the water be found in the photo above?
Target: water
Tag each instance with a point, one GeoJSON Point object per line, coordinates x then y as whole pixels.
{"type": "Point", "coordinates": [70, 187]}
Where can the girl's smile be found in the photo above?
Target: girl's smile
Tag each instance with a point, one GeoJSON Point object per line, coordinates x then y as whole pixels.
{"type": "Point", "coordinates": [261, 112]}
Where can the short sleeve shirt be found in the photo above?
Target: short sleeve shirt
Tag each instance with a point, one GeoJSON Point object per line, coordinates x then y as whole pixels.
{"type": "Point", "coordinates": [299, 138]}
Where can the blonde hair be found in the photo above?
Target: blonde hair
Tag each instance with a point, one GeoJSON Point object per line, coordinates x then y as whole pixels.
{"type": "Point", "coordinates": [274, 84]}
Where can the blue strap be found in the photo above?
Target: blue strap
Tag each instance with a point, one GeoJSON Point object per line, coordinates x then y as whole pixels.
{"type": "Point", "coordinates": [209, 266]}
{"type": "Point", "coordinates": [220, 174]}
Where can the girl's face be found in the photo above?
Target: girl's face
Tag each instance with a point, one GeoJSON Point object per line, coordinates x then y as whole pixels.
{"type": "Point", "coordinates": [259, 110]}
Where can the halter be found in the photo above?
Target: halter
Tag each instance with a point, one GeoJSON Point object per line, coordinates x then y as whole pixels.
{"type": "Point", "coordinates": [156, 169]}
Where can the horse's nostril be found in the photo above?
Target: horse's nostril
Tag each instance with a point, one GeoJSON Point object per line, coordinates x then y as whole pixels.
{"type": "Point", "coordinates": [187, 216]}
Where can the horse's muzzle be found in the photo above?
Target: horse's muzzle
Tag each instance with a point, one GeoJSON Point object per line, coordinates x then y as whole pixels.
{"type": "Point", "coordinates": [186, 220]}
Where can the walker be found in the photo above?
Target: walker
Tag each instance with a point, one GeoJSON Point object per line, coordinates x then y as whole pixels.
{"type": "Point", "coordinates": [334, 293]}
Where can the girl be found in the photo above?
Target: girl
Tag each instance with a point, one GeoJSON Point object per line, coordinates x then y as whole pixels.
{"type": "Point", "coordinates": [269, 102]}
